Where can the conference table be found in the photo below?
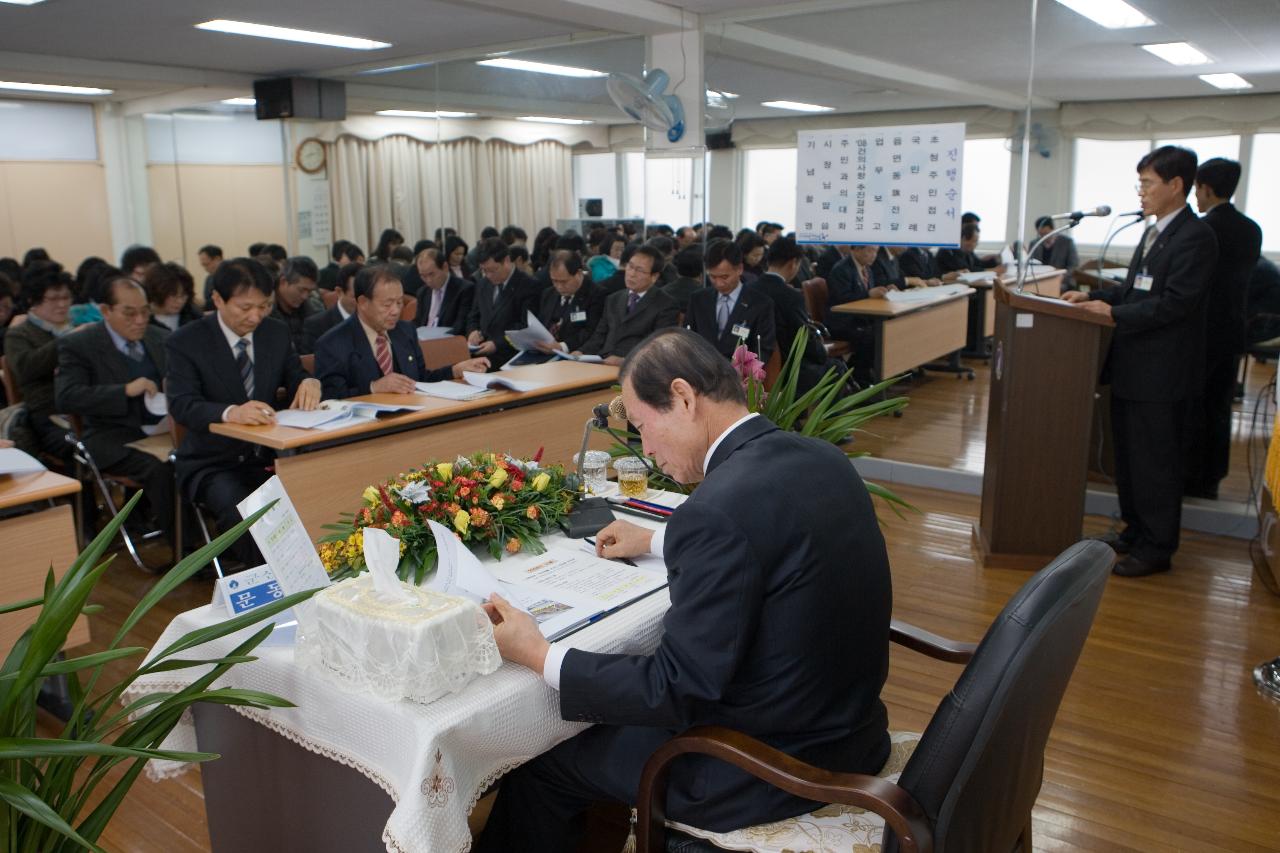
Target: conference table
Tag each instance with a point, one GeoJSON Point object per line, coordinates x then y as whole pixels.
{"type": "Point", "coordinates": [33, 542]}
{"type": "Point", "coordinates": [325, 472]}
{"type": "Point", "coordinates": [913, 332]}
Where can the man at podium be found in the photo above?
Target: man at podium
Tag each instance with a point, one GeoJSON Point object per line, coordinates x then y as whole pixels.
{"type": "Point", "coordinates": [1156, 359]}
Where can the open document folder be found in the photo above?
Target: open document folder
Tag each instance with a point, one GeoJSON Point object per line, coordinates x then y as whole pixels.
{"type": "Point", "coordinates": [334, 414]}
{"type": "Point", "coordinates": [526, 342]}
{"type": "Point", "coordinates": [564, 589]}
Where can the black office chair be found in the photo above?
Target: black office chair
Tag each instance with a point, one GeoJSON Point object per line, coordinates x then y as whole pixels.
{"type": "Point", "coordinates": [973, 777]}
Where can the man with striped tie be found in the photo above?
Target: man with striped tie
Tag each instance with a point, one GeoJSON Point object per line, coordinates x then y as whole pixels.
{"type": "Point", "coordinates": [226, 368]}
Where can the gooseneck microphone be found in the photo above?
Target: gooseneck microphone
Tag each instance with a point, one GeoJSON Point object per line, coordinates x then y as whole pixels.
{"type": "Point", "coordinates": [1077, 215]}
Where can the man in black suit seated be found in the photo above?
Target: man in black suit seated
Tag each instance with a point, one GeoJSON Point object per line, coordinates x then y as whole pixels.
{"type": "Point", "coordinates": [446, 299]}
{"type": "Point", "coordinates": [889, 270]}
{"type": "Point", "coordinates": [1058, 252]}
{"type": "Point", "coordinates": [729, 312]}
{"type": "Point", "coordinates": [918, 262]}
{"type": "Point", "coordinates": [317, 324]}
{"type": "Point", "coordinates": [572, 307]}
{"type": "Point", "coordinates": [503, 298]}
{"type": "Point", "coordinates": [1239, 246]}
{"type": "Point", "coordinates": [293, 297]}
{"type": "Point", "coordinates": [344, 252]}
{"type": "Point", "coordinates": [965, 259]}
{"type": "Point", "coordinates": [1156, 358]}
{"type": "Point", "coordinates": [778, 626]}
{"type": "Point", "coordinates": [226, 368]}
{"type": "Point", "coordinates": [689, 264]}
{"type": "Point", "coordinates": [790, 314]}
{"type": "Point", "coordinates": [631, 314]}
{"type": "Point", "coordinates": [105, 372]}
{"type": "Point", "coordinates": [851, 280]}
{"type": "Point", "coordinates": [374, 351]}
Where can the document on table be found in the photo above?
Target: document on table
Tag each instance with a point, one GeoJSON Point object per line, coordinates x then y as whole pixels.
{"type": "Point", "coordinates": [980, 275]}
{"type": "Point", "coordinates": [334, 414]}
{"type": "Point", "coordinates": [15, 461]}
{"type": "Point", "coordinates": [494, 381]}
{"type": "Point", "coordinates": [434, 333]}
{"type": "Point", "coordinates": [531, 335]}
{"type": "Point", "coordinates": [926, 294]}
{"type": "Point", "coordinates": [449, 390]}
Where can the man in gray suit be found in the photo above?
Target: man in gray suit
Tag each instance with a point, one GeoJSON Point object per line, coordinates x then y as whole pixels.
{"type": "Point", "coordinates": [632, 313]}
{"type": "Point", "coordinates": [106, 372]}
{"type": "Point", "coordinates": [1058, 252]}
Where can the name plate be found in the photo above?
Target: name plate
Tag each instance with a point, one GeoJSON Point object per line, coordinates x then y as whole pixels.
{"type": "Point", "coordinates": [246, 590]}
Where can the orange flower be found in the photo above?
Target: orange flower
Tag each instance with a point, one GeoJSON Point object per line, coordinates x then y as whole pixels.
{"type": "Point", "coordinates": [464, 491]}
{"type": "Point", "coordinates": [532, 512]}
{"type": "Point", "coordinates": [399, 519]}
{"type": "Point", "coordinates": [479, 518]}
{"type": "Point", "coordinates": [513, 545]}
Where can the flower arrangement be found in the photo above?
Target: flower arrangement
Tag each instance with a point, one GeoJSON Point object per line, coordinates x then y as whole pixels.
{"type": "Point", "coordinates": [493, 499]}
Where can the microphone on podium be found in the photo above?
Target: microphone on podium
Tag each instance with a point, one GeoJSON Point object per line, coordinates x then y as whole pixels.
{"type": "Point", "coordinates": [593, 514]}
{"type": "Point", "coordinates": [1077, 215]}
{"type": "Point", "coordinates": [1132, 213]}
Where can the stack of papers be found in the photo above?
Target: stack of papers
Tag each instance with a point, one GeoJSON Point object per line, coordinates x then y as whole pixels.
{"type": "Point", "coordinates": [335, 414]}
{"type": "Point", "coordinates": [495, 382]}
{"type": "Point", "coordinates": [15, 461]}
{"type": "Point", "coordinates": [980, 275]}
{"type": "Point", "coordinates": [434, 333]}
{"type": "Point", "coordinates": [925, 294]}
{"type": "Point", "coordinates": [531, 335]}
{"type": "Point", "coordinates": [452, 390]}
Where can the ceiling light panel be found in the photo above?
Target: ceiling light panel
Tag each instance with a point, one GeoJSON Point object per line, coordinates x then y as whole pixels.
{"type": "Point", "coordinates": [1112, 14]}
{"type": "Point", "coordinates": [539, 67]}
{"type": "Point", "coordinates": [243, 28]}
{"type": "Point", "coordinates": [1177, 53]}
{"type": "Point", "coordinates": [54, 89]}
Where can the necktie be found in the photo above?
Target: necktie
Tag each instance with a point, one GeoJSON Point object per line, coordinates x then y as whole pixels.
{"type": "Point", "coordinates": [133, 349]}
{"type": "Point", "coordinates": [437, 299]}
{"type": "Point", "coordinates": [245, 365]}
{"type": "Point", "coordinates": [497, 293]}
{"type": "Point", "coordinates": [1149, 238]}
{"type": "Point", "coordinates": [632, 299]}
{"type": "Point", "coordinates": [382, 353]}
{"type": "Point", "coordinates": [722, 312]}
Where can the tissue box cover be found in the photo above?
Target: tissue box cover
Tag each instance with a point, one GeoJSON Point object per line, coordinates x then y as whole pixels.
{"type": "Point", "coordinates": [418, 645]}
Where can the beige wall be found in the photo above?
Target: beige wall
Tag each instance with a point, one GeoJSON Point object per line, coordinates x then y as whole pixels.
{"type": "Point", "coordinates": [61, 206]}
{"type": "Point", "coordinates": [228, 205]}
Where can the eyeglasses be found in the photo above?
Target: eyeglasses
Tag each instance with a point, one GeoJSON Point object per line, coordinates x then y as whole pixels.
{"type": "Point", "coordinates": [1145, 185]}
{"type": "Point", "coordinates": [640, 270]}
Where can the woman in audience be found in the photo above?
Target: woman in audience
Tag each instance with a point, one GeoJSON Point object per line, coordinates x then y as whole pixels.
{"type": "Point", "coordinates": [455, 249]}
{"type": "Point", "coordinates": [170, 291]}
{"type": "Point", "coordinates": [33, 256]}
{"type": "Point", "coordinates": [752, 247]}
{"type": "Point", "coordinates": [387, 243]}
{"type": "Point", "coordinates": [606, 263]}
{"type": "Point", "coordinates": [543, 244]}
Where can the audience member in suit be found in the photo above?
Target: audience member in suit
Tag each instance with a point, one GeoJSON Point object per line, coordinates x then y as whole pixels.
{"type": "Point", "coordinates": [729, 312]}
{"type": "Point", "coordinates": [317, 324]}
{"type": "Point", "coordinates": [344, 252]}
{"type": "Point", "coordinates": [688, 263]}
{"type": "Point", "coordinates": [1058, 252]}
{"type": "Point", "coordinates": [1239, 247]}
{"type": "Point", "coordinates": [374, 351]}
{"type": "Point", "coordinates": [906, 271]}
{"type": "Point", "coordinates": [965, 259]}
{"type": "Point", "coordinates": [831, 255]}
{"type": "Point", "coordinates": [294, 304]}
{"type": "Point", "coordinates": [105, 372]}
{"type": "Point", "coordinates": [136, 260]}
{"type": "Point", "coordinates": [171, 293]}
{"type": "Point", "coordinates": [226, 368]}
{"type": "Point", "coordinates": [752, 246]}
{"type": "Point", "coordinates": [667, 248]}
{"type": "Point", "coordinates": [571, 309]}
{"type": "Point", "coordinates": [445, 300]}
{"type": "Point", "coordinates": [31, 352]}
{"type": "Point", "coordinates": [790, 314]}
{"type": "Point", "coordinates": [778, 625]}
{"type": "Point", "coordinates": [472, 260]}
{"type": "Point", "coordinates": [851, 280]}
{"type": "Point", "coordinates": [917, 262]}
{"type": "Point", "coordinates": [631, 314]}
{"type": "Point", "coordinates": [887, 271]}
{"type": "Point", "coordinates": [209, 256]}
{"type": "Point", "coordinates": [1156, 358]}
{"type": "Point", "coordinates": [1263, 303]}
{"type": "Point", "coordinates": [503, 298]}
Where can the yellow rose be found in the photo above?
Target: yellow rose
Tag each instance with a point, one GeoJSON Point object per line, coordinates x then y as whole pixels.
{"type": "Point", "coordinates": [461, 521]}
{"type": "Point", "coordinates": [540, 482]}
{"type": "Point", "coordinates": [499, 477]}
{"type": "Point", "coordinates": [445, 470]}
{"type": "Point", "coordinates": [498, 502]}
{"type": "Point", "coordinates": [371, 496]}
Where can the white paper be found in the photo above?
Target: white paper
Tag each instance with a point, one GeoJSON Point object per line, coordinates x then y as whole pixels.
{"type": "Point", "coordinates": [529, 337]}
{"type": "Point", "coordinates": [382, 556]}
{"type": "Point", "coordinates": [927, 294]}
{"type": "Point", "coordinates": [458, 571]}
{"type": "Point", "coordinates": [15, 461]}
{"type": "Point", "coordinates": [299, 419]}
{"type": "Point", "coordinates": [449, 390]}
{"type": "Point", "coordinates": [156, 404]}
{"type": "Point", "coordinates": [490, 380]}
{"type": "Point", "coordinates": [585, 359]}
{"type": "Point", "coordinates": [434, 333]}
{"type": "Point", "coordinates": [977, 275]}
{"type": "Point", "coordinates": [283, 540]}
{"type": "Point", "coordinates": [334, 414]}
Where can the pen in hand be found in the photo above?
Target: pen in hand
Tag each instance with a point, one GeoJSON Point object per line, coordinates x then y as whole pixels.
{"type": "Point", "coordinates": [592, 542]}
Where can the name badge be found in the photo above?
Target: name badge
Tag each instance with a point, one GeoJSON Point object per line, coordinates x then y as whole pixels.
{"type": "Point", "coordinates": [578, 317]}
{"type": "Point", "coordinates": [1142, 282]}
{"type": "Point", "coordinates": [741, 331]}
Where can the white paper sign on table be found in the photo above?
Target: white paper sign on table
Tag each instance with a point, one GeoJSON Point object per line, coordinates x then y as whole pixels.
{"type": "Point", "coordinates": [283, 540]}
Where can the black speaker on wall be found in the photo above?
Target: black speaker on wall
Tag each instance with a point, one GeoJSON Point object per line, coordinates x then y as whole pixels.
{"type": "Point", "coordinates": [723, 139]}
{"type": "Point", "coordinates": [301, 97]}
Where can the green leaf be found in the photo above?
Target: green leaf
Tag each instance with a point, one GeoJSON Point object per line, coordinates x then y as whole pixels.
{"type": "Point", "coordinates": [185, 663]}
{"type": "Point", "coordinates": [21, 605]}
{"type": "Point", "coordinates": [76, 664]}
{"type": "Point", "coordinates": [27, 802]}
{"type": "Point", "coordinates": [230, 626]}
{"type": "Point", "coordinates": [14, 748]}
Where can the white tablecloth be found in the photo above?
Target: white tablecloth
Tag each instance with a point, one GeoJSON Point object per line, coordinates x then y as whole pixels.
{"type": "Point", "coordinates": [434, 760]}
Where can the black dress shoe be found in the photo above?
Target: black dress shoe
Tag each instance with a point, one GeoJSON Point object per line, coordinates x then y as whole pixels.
{"type": "Point", "coordinates": [1116, 541]}
{"type": "Point", "coordinates": [1132, 567]}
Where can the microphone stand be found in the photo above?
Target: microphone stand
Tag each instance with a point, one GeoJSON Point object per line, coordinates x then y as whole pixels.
{"type": "Point", "coordinates": [1024, 259]}
{"type": "Point", "coordinates": [1111, 236]}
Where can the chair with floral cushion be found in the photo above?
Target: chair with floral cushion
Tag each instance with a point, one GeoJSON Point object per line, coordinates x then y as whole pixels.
{"type": "Point", "coordinates": [966, 785]}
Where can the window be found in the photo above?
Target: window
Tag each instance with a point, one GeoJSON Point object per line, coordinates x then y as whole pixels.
{"type": "Point", "coordinates": [44, 130]}
{"type": "Point", "coordinates": [1105, 173]}
{"type": "Point", "coordinates": [770, 191]}
{"type": "Point", "coordinates": [668, 191]}
{"type": "Point", "coordinates": [984, 186]}
{"type": "Point", "coordinates": [1261, 202]}
{"type": "Point", "coordinates": [1207, 147]}
{"type": "Point", "coordinates": [633, 183]}
{"type": "Point", "coordinates": [596, 176]}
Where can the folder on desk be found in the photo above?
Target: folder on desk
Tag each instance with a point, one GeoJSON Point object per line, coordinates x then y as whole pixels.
{"type": "Point", "coordinates": [449, 390]}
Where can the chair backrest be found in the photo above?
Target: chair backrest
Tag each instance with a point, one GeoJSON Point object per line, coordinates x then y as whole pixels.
{"type": "Point", "coordinates": [308, 363]}
{"type": "Point", "coordinates": [772, 368]}
{"type": "Point", "coordinates": [815, 297]}
{"type": "Point", "coordinates": [11, 393]}
{"type": "Point", "coordinates": [410, 309]}
{"type": "Point", "coordinates": [978, 767]}
{"type": "Point", "coordinates": [177, 431]}
{"type": "Point", "coordinates": [443, 352]}
{"type": "Point", "coordinates": [330, 297]}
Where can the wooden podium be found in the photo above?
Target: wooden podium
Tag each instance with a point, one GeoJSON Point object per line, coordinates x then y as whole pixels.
{"type": "Point", "coordinates": [1044, 372]}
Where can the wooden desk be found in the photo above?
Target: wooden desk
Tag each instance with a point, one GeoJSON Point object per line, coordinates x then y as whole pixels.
{"type": "Point", "coordinates": [325, 472]}
{"type": "Point", "coordinates": [909, 334]}
{"type": "Point", "coordinates": [982, 306]}
{"type": "Point", "coordinates": [33, 543]}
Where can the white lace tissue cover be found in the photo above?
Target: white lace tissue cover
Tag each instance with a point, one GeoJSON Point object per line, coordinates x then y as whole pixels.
{"type": "Point", "coordinates": [417, 644]}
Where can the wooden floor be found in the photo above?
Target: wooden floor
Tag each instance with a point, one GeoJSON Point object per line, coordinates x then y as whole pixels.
{"type": "Point", "coordinates": [1162, 742]}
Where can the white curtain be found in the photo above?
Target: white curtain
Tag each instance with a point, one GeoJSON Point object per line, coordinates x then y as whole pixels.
{"type": "Point", "coordinates": [416, 187]}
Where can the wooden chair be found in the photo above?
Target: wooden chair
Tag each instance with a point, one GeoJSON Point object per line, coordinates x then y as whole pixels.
{"type": "Point", "coordinates": [443, 352]}
{"type": "Point", "coordinates": [968, 784]}
{"type": "Point", "coordinates": [330, 298]}
{"type": "Point", "coordinates": [410, 310]}
{"type": "Point", "coordinates": [11, 392]}
{"type": "Point", "coordinates": [308, 362]}
{"type": "Point", "coordinates": [815, 302]}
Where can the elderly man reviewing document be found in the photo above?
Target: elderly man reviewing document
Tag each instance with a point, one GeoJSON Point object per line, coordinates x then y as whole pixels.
{"type": "Point", "coordinates": [778, 626]}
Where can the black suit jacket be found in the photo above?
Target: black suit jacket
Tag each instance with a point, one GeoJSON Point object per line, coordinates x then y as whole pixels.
{"type": "Point", "coordinates": [918, 263]}
{"type": "Point", "coordinates": [955, 260]}
{"type": "Point", "coordinates": [314, 327]}
{"type": "Point", "coordinates": [778, 627]}
{"type": "Point", "coordinates": [1239, 245]}
{"type": "Point", "coordinates": [346, 366]}
{"type": "Point", "coordinates": [202, 380]}
{"type": "Point", "coordinates": [789, 317]}
{"type": "Point", "coordinates": [887, 269]}
{"type": "Point", "coordinates": [90, 382]}
{"type": "Point", "coordinates": [454, 310]}
{"type": "Point", "coordinates": [520, 295]}
{"type": "Point", "coordinates": [1157, 350]}
{"type": "Point", "coordinates": [618, 332]}
{"type": "Point", "coordinates": [588, 300]}
{"type": "Point", "coordinates": [753, 310]}
{"type": "Point", "coordinates": [680, 289]}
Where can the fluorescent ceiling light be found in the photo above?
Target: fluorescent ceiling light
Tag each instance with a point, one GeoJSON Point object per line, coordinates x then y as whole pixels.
{"type": "Point", "coordinates": [1226, 81]}
{"type": "Point", "coordinates": [242, 28]}
{"type": "Point", "coordinates": [240, 102]}
{"type": "Point", "coordinates": [425, 114]}
{"type": "Point", "coordinates": [393, 68]}
{"type": "Point", "coordinates": [540, 67]}
{"type": "Point", "coordinates": [1177, 53]}
{"type": "Point", "coordinates": [53, 89]}
{"type": "Point", "coordinates": [1112, 14]}
{"type": "Point", "coordinates": [22, 2]}
{"type": "Point", "coordinates": [797, 106]}
{"type": "Point", "coordinates": [554, 120]}
{"type": "Point", "coordinates": [716, 93]}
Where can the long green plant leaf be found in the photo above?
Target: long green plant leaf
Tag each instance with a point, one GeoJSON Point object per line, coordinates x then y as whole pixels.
{"type": "Point", "coordinates": [30, 804]}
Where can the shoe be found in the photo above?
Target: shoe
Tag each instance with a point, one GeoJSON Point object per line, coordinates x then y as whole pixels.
{"type": "Point", "coordinates": [1132, 567]}
{"type": "Point", "coordinates": [1118, 542]}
